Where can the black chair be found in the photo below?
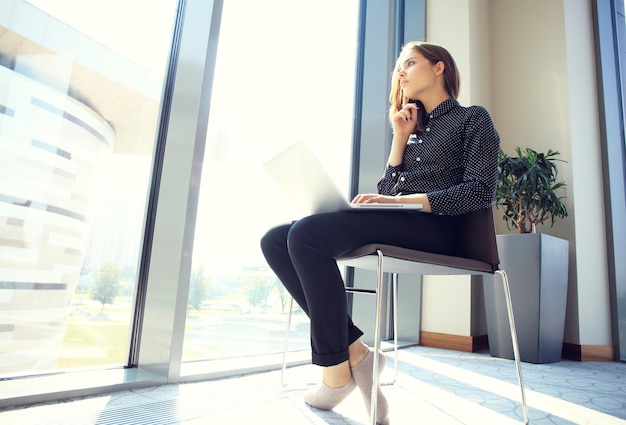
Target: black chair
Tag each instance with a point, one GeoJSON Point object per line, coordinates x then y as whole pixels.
{"type": "Point", "coordinates": [476, 254]}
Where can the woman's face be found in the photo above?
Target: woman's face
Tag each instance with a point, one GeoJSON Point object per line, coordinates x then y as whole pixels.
{"type": "Point", "coordinates": [417, 75]}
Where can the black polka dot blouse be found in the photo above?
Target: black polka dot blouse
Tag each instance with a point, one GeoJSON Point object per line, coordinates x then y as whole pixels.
{"type": "Point", "coordinates": [454, 161]}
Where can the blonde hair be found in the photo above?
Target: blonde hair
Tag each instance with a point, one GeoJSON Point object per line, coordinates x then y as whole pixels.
{"type": "Point", "coordinates": [433, 53]}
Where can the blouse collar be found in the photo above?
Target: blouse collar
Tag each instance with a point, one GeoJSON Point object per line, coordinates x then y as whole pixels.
{"type": "Point", "coordinates": [443, 108]}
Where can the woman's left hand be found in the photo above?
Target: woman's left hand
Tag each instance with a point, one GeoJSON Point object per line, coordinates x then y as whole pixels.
{"type": "Point", "coordinates": [374, 198]}
{"type": "Point", "coordinates": [413, 198]}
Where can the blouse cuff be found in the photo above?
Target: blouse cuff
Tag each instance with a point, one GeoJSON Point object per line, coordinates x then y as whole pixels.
{"type": "Point", "coordinates": [435, 205]}
{"type": "Point", "coordinates": [392, 172]}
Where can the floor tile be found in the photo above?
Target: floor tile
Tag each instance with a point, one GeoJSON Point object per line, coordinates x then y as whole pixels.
{"type": "Point", "coordinates": [434, 386]}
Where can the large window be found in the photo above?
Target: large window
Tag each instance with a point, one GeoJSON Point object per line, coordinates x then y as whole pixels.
{"type": "Point", "coordinates": [285, 72]}
{"type": "Point", "coordinates": [84, 94]}
{"type": "Point", "coordinates": [80, 91]}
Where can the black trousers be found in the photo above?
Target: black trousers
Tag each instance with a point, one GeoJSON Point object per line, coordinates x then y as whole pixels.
{"type": "Point", "coordinates": [302, 255]}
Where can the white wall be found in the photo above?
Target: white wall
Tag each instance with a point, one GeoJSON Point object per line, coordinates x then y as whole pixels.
{"type": "Point", "coordinates": [545, 97]}
{"type": "Point", "coordinates": [531, 63]}
{"type": "Point", "coordinates": [591, 273]}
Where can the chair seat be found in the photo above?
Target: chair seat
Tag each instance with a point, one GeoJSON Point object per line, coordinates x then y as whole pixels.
{"type": "Point", "coordinates": [404, 260]}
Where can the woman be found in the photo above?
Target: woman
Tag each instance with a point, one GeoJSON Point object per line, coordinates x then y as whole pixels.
{"type": "Point", "coordinates": [443, 156]}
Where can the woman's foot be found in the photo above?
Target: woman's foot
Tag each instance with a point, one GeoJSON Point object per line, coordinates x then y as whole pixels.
{"type": "Point", "coordinates": [337, 384]}
{"type": "Point", "coordinates": [362, 373]}
{"type": "Point", "coordinates": [326, 398]}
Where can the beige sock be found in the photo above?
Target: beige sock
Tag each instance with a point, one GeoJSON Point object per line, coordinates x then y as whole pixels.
{"type": "Point", "coordinates": [326, 398]}
{"type": "Point", "coordinates": [362, 374]}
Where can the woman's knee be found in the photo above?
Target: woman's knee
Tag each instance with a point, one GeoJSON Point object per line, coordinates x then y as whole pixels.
{"type": "Point", "coordinates": [298, 231]}
{"type": "Point", "coordinates": [306, 234]}
{"type": "Point", "coordinates": [275, 239]}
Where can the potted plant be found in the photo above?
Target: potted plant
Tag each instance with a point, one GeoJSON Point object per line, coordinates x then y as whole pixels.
{"type": "Point", "coordinates": [536, 264]}
{"type": "Point", "coordinates": [527, 189]}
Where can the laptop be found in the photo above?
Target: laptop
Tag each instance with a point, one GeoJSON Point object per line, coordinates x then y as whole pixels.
{"type": "Point", "coordinates": [304, 181]}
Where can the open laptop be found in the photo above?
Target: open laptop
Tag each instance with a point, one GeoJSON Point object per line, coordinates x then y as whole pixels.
{"type": "Point", "coordinates": [302, 179]}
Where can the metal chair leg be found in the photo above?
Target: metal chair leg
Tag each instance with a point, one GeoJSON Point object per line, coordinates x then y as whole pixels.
{"type": "Point", "coordinates": [286, 346]}
{"type": "Point", "coordinates": [379, 286]}
{"type": "Point", "coordinates": [394, 281]}
{"type": "Point", "coordinates": [509, 307]}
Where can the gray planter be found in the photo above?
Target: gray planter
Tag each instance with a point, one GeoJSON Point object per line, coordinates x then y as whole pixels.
{"type": "Point", "coordinates": [537, 267]}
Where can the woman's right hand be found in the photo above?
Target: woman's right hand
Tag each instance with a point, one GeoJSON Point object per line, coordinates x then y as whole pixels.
{"type": "Point", "coordinates": [404, 121]}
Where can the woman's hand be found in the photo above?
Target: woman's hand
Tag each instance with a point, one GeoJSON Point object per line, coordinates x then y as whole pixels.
{"type": "Point", "coordinates": [404, 121]}
{"type": "Point", "coordinates": [374, 198]}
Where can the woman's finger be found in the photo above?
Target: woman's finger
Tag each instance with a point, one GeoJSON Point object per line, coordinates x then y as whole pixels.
{"type": "Point", "coordinates": [362, 198]}
{"type": "Point", "coordinates": [405, 115]}
{"type": "Point", "coordinates": [408, 112]}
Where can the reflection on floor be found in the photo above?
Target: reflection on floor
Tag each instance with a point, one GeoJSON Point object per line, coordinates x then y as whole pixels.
{"type": "Point", "coordinates": [434, 387]}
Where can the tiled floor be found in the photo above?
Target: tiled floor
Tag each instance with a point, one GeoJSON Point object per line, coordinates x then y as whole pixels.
{"type": "Point", "coordinates": [434, 386]}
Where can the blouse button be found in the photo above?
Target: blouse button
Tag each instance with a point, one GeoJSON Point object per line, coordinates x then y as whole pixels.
{"type": "Point", "coordinates": [431, 115]}
{"type": "Point", "coordinates": [393, 174]}
{"type": "Point", "coordinates": [427, 128]}
{"type": "Point", "coordinates": [420, 141]}
{"type": "Point", "coordinates": [401, 179]}
{"type": "Point", "coordinates": [418, 159]}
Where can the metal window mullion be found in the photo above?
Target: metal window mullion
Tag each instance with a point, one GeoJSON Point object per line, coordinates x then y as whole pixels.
{"type": "Point", "coordinates": [168, 265]}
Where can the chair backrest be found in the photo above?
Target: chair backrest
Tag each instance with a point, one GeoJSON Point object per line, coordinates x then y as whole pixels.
{"type": "Point", "coordinates": [476, 237]}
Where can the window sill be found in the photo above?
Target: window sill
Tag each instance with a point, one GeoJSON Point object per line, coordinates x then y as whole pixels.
{"type": "Point", "coordinates": [59, 386]}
